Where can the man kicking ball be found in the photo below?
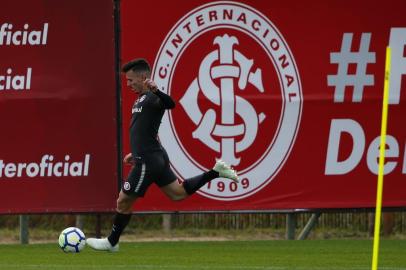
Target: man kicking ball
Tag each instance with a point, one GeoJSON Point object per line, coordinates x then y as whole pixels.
{"type": "Point", "coordinates": [149, 159]}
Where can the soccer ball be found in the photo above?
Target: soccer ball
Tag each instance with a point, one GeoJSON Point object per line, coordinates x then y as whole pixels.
{"type": "Point", "coordinates": [72, 240]}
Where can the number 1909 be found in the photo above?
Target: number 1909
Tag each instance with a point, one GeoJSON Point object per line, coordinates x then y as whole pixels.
{"type": "Point", "coordinates": [229, 185]}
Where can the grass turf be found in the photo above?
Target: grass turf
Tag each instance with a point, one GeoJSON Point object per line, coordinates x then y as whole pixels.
{"type": "Point", "coordinates": [227, 255]}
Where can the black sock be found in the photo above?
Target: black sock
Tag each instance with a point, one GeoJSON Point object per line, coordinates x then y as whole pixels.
{"type": "Point", "coordinates": [119, 223]}
{"type": "Point", "coordinates": [191, 185]}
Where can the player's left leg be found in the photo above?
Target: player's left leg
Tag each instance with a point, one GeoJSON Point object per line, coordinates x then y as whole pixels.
{"type": "Point", "coordinates": [121, 219]}
{"type": "Point", "coordinates": [122, 216]}
{"type": "Point", "coordinates": [135, 186]}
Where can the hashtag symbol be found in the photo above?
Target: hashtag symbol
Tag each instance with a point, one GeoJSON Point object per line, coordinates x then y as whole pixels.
{"type": "Point", "coordinates": [345, 57]}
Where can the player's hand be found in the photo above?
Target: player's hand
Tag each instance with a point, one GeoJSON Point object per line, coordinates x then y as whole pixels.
{"type": "Point", "coordinates": [128, 159]}
{"type": "Point", "coordinates": [151, 85]}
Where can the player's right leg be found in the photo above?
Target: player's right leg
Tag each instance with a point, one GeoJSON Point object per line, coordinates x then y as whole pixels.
{"type": "Point", "coordinates": [220, 169]}
{"type": "Point", "coordinates": [225, 170]}
{"type": "Point", "coordinates": [176, 191]}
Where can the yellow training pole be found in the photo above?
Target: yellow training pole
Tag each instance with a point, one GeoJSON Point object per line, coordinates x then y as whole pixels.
{"type": "Point", "coordinates": [381, 161]}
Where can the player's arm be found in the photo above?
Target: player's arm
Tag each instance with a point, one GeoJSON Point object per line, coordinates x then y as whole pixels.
{"type": "Point", "coordinates": [128, 159]}
{"type": "Point", "coordinates": [166, 100]}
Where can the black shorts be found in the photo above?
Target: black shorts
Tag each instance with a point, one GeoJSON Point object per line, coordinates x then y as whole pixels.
{"type": "Point", "coordinates": [150, 168]}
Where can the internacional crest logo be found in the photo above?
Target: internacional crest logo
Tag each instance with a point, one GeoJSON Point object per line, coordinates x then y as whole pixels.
{"type": "Point", "coordinates": [239, 96]}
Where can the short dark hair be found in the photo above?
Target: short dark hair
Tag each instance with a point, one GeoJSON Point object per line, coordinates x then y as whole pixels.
{"type": "Point", "coordinates": [139, 64]}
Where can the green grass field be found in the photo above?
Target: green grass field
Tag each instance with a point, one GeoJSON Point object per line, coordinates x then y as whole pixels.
{"type": "Point", "coordinates": [250, 255]}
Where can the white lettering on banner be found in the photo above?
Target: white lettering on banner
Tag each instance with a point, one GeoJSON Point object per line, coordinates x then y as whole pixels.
{"type": "Point", "coordinates": [10, 170]}
{"type": "Point", "coordinates": [346, 56]}
{"type": "Point", "coordinates": [404, 162]}
{"type": "Point", "coordinates": [397, 43]}
{"type": "Point", "coordinates": [221, 14]}
{"type": "Point", "coordinates": [354, 129]}
{"type": "Point", "coordinates": [343, 59]}
{"type": "Point", "coordinates": [15, 82]}
{"type": "Point", "coordinates": [9, 36]}
{"type": "Point", "coordinates": [339, 126]}
{"type": "Point", "coordinates": [392, 151]}
{"type": "Point", "coordinates": [46, 168]}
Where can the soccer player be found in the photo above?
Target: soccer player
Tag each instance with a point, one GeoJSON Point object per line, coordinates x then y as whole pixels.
{"type": "Point", "coordinates": [149, 159]}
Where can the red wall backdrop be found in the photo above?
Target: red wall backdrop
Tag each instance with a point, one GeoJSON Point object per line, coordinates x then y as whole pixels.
{"type": "Point", "coordinates": [66, 113]}
{"type": "Point", "coordinates": [289, 93]}
{"type": "Point", "coordinates": [255, 84]}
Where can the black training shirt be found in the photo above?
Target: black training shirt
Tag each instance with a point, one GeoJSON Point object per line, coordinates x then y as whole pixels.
{"type": "Point", "coordinates": [147, 113]}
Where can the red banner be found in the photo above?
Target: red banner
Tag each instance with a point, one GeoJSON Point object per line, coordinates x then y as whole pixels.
{"type": "Point", "coordinates": [58, 107]}
{"type": "Point", "coordinates": [289, 93]}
